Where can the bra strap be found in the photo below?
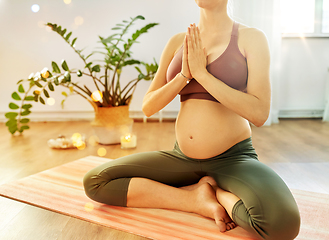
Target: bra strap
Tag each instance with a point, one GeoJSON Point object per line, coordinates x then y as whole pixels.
{"type": "Point", "coordinates": [235, 29]}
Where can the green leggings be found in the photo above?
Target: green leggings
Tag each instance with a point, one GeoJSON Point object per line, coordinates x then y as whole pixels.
{"type": "Point", "coordinates": [266, 208]}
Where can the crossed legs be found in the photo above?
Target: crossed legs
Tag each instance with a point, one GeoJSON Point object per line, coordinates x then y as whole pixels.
{"type": "Point", "coordinates": [168, 180]}
{"type": "Point", "coordinates": [198, 198]}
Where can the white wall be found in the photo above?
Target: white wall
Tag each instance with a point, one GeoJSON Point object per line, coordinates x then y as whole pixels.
{"type": "Point", "coordinates": [304, 72]}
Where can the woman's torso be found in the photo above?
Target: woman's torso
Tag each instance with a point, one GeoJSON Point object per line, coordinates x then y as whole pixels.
{"type": "Point", "coordinates": [204, 127]}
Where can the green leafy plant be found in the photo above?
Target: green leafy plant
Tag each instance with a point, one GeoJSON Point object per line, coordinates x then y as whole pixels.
{"type": "Point", "coordinates": [108, 92]}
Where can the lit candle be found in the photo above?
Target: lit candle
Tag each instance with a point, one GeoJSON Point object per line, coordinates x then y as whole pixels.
{"type": "Point", "coordinates": [128, 141]}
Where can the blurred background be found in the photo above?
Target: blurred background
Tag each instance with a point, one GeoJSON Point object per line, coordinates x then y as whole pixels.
{"type": "Point", "coordinates": [297, 31]}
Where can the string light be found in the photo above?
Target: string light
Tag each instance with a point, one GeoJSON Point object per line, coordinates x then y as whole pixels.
{"type": "Point", "coordinates": [78, 20]}
{"type": "Point", "coordinates": [35, 8]}
{"type": "Point", "coordinates": [97, 96]}
{"type": "Point", "coordinates": [51, 101]}
{"type": "Point", "coordinates": [76, 137]}
{"type": "Point", "coordinates": [101, 152]}
{"type": "Point", "coordinates": [93, 140]}
{"type": "Point", "coordinates": [78, 141]}
{"type": "Point", "coordinates": [45, 73]}
{"type": "Point", "coordinates": [89, 207]}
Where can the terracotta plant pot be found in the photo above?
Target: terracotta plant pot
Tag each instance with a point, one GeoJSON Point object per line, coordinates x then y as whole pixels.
{"type": "Point", "coordinates": [112, 123]}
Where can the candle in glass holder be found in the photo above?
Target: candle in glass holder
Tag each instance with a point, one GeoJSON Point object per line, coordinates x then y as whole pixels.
{"type": "Point", "coordinates": [128, 141]}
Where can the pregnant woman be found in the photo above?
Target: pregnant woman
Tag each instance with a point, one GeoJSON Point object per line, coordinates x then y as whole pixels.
{"type": "Point", "coordinates": [220, 68]}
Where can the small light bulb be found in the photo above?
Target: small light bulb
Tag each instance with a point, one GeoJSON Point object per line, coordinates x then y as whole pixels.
{"type": "Point", "coordinates": [89, 207]}
{"type": "Point", "coordinates": [51, 101]}
{"type": "Point", "coordinates": [101, 152]}
{"type": "Point", "coordinates": [78, 20]}
{"type": "Point", "coordinates": [35, 8]}
{"type": "Point", "coordinates": [97, 96]}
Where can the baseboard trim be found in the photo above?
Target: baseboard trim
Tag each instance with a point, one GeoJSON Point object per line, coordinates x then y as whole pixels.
{"type": "Point", "coordinates": [301, 113]}
{"type": "Point", "coordinates": [64, 116]}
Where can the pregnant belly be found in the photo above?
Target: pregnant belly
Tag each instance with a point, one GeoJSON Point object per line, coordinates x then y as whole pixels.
{"type": "Point", "coordinates": [205, 129]}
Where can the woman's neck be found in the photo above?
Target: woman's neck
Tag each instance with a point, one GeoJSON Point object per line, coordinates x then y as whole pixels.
{"type": "Point", "coordinates": [214, 20]}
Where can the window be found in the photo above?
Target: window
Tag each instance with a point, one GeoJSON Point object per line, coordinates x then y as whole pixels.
{"type": "Point", "coordinates": [325, 17]}
{"type": "Point", "coordinates": [305, 18]}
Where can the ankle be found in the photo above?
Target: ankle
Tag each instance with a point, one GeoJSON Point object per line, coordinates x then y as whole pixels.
{"type": "Point", "coordinates": [205, 200]}
{"type": "Point", "coordinates": [227, 200]}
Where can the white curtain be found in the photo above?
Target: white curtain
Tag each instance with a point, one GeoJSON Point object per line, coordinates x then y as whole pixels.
{"type": "Point", "coordinates": [326, 108]}
{"type": "Point", "coordinates": [264, 15]}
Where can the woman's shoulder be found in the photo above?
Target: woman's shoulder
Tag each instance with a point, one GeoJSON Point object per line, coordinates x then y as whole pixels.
{"type": "Point", "coordinates": [178, 38]}
{"type": "Point", "coordinates": [176, 42]}
{"type": "Point", "coordinates": [252, 39]}
{"type": "Point", "coordinates": [171, 48]}
{"type": "Point", "coordinates": [251, 34]}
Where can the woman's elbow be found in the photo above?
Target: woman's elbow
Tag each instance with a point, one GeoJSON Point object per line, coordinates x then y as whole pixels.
{"type": "Point", "coordinates": [259, 122]}
{"type": "Point", "coordinates": [147, 114]}
{"type": "Point", "coordinates": [260, 118]}
{"type": "Point", "coordinates": [147, 111]}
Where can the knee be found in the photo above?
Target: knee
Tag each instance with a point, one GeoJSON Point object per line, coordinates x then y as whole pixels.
{"type": "Point", "coordinates": [105, 188]}
{"type": "Point", "coordinates": [292, 225]}
{"type": "Point", "coordinates": [90, 185]}
{"type": "Point", "coordinates": [285, 227]}
{"type": "Point", "coordinates": [94, 185]}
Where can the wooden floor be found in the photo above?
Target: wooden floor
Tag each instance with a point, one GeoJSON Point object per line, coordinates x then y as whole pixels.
{"type": "Point", "coordinates": [297, 149]}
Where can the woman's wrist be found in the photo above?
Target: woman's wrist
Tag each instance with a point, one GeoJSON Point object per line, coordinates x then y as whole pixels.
{"type": "Point", "coordinates": [187, 79]}
{"type": "Point", "coordinates": [199, 75]}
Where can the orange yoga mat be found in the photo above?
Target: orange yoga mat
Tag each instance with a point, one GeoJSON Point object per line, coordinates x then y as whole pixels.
{"type": "Point", "coordinates": [60, 189]}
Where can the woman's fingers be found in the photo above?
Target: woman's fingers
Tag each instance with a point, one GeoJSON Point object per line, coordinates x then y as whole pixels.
{"type": "Point", "coordinates": [198, 37]}
{"type": "Point", "coordinates": [185, 66]}
{"type": "Point", "coordinates": [196, 54]}
{"type": "Point", "coordinates": [190, 38]}
{"type": "Point", "coordinates": [194, 37]}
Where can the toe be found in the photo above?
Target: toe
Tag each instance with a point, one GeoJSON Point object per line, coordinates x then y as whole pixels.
{"type": "Point", "coordinates": [221, 225]}
{"type": "Point", "coordinates": [229, 226]}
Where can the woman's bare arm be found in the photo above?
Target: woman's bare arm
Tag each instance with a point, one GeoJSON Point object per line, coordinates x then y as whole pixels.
{"type": "Point", "coordinates": [160, 93]}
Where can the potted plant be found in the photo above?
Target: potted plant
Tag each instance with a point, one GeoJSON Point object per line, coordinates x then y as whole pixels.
{"type": "Point", "coordinates": [109, 98]}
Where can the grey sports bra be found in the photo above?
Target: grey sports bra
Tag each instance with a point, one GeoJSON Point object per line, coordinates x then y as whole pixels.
{"type": "Point", "coordinates": [230, 67]}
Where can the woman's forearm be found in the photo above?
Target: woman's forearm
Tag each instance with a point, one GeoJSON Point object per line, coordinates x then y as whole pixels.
{"type": "Point", "coordinates": [157, 99]}
{"type": "Point", "coordinates": [253, 108]}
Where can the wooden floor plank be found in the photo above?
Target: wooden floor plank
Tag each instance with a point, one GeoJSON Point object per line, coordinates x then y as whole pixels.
{"type": "Point", "coordinates": [8, 211]}
{"type": "Point", "coordinates": [311, 177]}
{"type": "Point", "coordinates": [33, 223]}
{"type": "Point", "coordinates": [93, 231]}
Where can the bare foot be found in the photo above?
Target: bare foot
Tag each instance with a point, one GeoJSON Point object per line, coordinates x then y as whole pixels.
{"type": "Point", "coordinates": [209, 180]}
{"type": "Point", "coordinates": [208, 206]}
{"type": "Point", "coordinates": [229, 222]}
